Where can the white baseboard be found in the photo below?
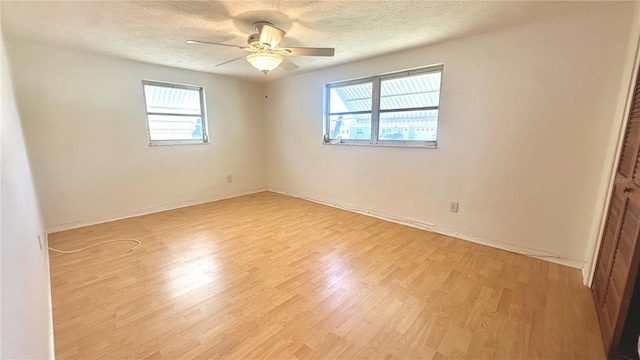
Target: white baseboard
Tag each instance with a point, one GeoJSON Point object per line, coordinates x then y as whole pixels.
{"type": "Point", "coordinates": [586, 272]}
{"type": "Point", "coordinates": [83, 223]}
{"type": "Point", "coordinates": [457, 233]}
{"type": "Point", "coordinates": [52, 342]}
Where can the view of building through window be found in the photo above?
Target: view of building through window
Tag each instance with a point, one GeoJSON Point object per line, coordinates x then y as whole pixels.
{"type": "Point", "coordinates": [407, 108]}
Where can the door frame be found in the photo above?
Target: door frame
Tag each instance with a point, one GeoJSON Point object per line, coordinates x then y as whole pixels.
{"type": "Point", "coordinates": [614, 151]}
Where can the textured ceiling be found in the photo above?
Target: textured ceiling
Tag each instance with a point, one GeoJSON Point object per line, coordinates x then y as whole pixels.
{"type": "Point", "coordinates": [155, 31]}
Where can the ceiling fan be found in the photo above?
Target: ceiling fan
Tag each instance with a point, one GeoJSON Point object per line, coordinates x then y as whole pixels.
{"type": "Point", "coordinates": [267, 53]}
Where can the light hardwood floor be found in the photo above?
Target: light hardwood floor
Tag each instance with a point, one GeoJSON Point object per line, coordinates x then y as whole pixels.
{"type": "Point", "coordinates": [270, 276]}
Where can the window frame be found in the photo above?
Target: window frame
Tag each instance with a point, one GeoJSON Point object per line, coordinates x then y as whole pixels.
{"type": "Point", "coordinates": [375, 111]}
{"type": "Point", "coordinates": [203, 113]}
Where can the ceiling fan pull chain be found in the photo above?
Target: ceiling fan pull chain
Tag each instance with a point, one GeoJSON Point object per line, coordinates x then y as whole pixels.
{"type": "Point", "coordinates": [266, 88]}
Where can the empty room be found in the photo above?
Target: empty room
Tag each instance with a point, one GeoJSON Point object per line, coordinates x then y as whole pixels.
{"type": "Point", "coordinates": [320, 179]}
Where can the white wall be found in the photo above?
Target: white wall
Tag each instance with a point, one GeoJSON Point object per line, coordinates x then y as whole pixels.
{"type": "Point", "coordinates": [25, 315]}
{"type": "Point", "coordinates": [525, 119]}
{"type": "Point", "coordinates": [86, 131]}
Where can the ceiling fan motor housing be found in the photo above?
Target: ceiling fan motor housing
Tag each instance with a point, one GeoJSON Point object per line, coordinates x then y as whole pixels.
{"type": "Point", "coordinates": [254, 40]}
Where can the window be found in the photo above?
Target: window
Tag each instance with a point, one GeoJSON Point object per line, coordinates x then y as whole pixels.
{"type": "Point", "coordinates": [175, 113]}
{"type": "Point", "coordinates": [399, 109]}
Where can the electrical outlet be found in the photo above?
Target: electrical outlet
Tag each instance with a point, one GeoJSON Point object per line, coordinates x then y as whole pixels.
{"type": "Point", "coordinates": [229, 178]}
{"type": "Point", "coordinates": [453, 207]}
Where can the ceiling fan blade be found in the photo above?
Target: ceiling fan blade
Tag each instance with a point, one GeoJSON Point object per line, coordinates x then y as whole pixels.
{"type": "Point", "coordinates": [271, 36]}
{"type": "Point", "coordinates": [305, 51]}
{"type": "Point", "coordinates": [214, 43]}
{"type": "Point", "coordinates": [226, 62]}
{"type": "Point", "coordinates": [287, 64]}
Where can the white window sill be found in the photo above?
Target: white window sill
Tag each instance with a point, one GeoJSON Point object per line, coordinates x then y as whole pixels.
{"type": "Point", "coordinates": [403, 144]}
{"type": "Point", "coordinates": [177, 142]}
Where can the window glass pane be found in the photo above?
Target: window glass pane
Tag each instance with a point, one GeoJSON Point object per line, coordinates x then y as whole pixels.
{"type": "Point", "coordinates": [168, 100]}
{"type": "Point", "coordinates": [409, 125]}
{"type": "Point", "coordinates": [410, 92]}
{"type": "Point", "coordinates": [350, 126]}
{"type": "Point", "coordinates": [350, 98]}
{"type": "Point", "coordinates": [167, 127]}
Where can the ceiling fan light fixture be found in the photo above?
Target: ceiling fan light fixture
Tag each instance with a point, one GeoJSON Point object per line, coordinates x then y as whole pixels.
{"type": "Point", "coordinates": [264, 62]}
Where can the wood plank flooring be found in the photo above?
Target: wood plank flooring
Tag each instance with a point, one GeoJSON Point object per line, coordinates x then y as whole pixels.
{"type": "Point", "coordinates": [267, 276]}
